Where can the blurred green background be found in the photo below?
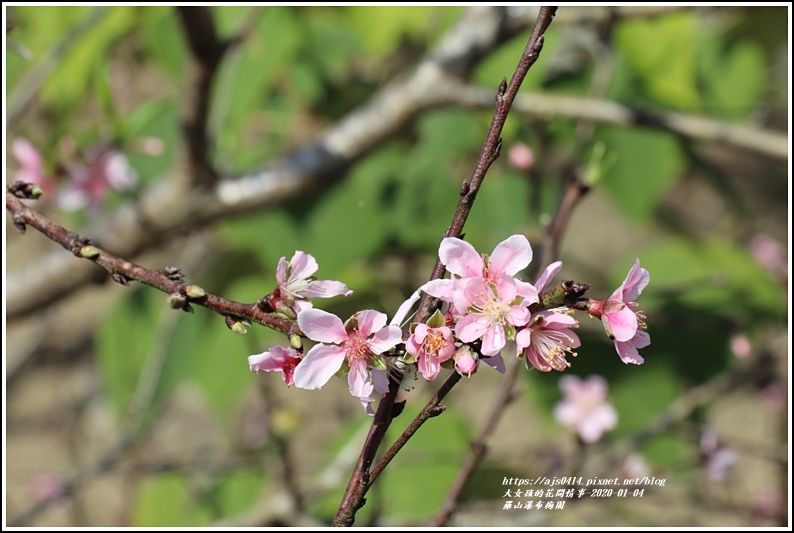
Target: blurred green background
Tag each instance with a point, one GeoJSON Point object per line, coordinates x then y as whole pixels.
{"type": "Point", "coordinates": [154, 417]}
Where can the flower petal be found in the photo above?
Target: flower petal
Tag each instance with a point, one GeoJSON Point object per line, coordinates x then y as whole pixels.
{"type": "Point", "coordinates": [322, 326]}
{"type": "Point", "coordinates": [460, 258]}
{"type": "Point", "coordinates": [358, 379]}
{"type": "Point", "coordinates": [302, 265]}
{"type": "Point", "coordinates": [317, 366]}
{"type": "Point", "coordinates": [511, 256]}
{"type": "Point", "coordinates": [551, 271]}
{"type": "Point", "coordinates": [325, 289]}
{"type": "Point", "coordinates": [385, 339]}
{"type": "Point", "coordinates": [622, 324]}
{"type": "Point", "coordinates": [370, 322]}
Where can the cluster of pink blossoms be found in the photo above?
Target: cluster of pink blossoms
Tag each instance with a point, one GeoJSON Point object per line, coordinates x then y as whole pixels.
{"type": "Point", "coordinates": [485, 311]}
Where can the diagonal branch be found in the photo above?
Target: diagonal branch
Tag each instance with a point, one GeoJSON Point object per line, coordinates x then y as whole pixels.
{"type": "Point", "coordinates": [165, 210]}
{"type": "Point", "coordinates": [123, 271]}
{"type": "Point", "coordinates": [361, 479]}
{"type": "Point", "coordinates": [206, 53]}
{"type": "Point", "coordinates": [547, 106]}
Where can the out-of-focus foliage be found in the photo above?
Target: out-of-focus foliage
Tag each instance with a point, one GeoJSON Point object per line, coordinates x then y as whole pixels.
{"type": "Point", "coordinates": [122, 81]}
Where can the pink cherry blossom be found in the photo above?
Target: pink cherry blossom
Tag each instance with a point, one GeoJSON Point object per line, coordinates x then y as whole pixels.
{"type": "Point", "coordinates": [89, 185]}
{"type": "Point", "coordinates": [430, 347]}
{"type": "Point", "coordinates": [623, 324]}
{"type": "Point", "coordinates": [296, 282]}
{"type": "Point", "coordinates": [520, 156]}
{"type": "Point", "coordinates": [491, 310]}
{"type": "Point", "coordinates": [584, 407]}
{"type": "Point", "coordinates": [466, 361]}
{"type": "Point", "coordinates": [508, 258]}
{"type": "Point", "coordinates": [358, 343]}
{"type": "Point", "coordinates": [278, 359]}
{"type": "Point", "coordinates": [31, 166]}
{"type": "Point", "coordinates": [718, 458]}
{"type": "Point", "coordinates": [547, 340]}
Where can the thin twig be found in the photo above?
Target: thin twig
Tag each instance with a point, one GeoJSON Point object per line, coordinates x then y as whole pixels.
{"type": "Point", "coordinates": [547, 106]}
{"type": "Point", "coordinates": [123, 271]}
{"type": "Point", "coordinates": [206, 53]}
{"type": "Point", "coordinates": [24, 93]}
{"type": "Point", "coordinates": [478, 447]}
{"type": "Point", "coordinates": [361, 479]}
{"type": "Point", "coordinates": [505, 96]}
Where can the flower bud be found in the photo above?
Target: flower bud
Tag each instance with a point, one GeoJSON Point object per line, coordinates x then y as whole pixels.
{"type": "Point", "coordinates": [176, 300]}
{"type": "Point", "coordinates": [89, 252]}
{"type": "Point", "coordinates": [194, 292]}
{"type": "Point", "coordinates": [466, 360]}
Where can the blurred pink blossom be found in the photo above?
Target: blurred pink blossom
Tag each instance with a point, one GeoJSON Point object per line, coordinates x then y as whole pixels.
{"type": "Point", "coordinates": [769, 253]}
{"type": "Point", "coordinates": [89, 184]}
{"type": "Point", "coordinates": [47, 486]}
{"type": "Point", "coordinates": [741, 346]}
{"type": "Point", "coordinates": [31, 166]}
{"type": "Point", "coordinates": [521, 157]}
{"type": "Point", "coordinates": [584, 407]}
{"type": "Point", "coordinates": [718, 458]}
{"type": "Point", "coordinates": [634, 466]}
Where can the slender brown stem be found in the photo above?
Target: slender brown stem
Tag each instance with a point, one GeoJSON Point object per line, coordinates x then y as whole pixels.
{"type": "Point", "coordinates": [505, 96]}
{"type": "Point", "coordinates": [122, 271]}
{"type": "Point", "coordinates": [362, 479]}
{"type": "Point", "coordinates": [478, 448]}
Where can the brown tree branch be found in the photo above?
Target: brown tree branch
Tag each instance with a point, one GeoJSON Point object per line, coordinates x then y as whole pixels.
{"type": "Point", "coordinates": [493, 143]}
{"type": "Point", "coordinates": [361, 479]}
{"type": "Point", "coordinates": [547, 106]}
{"type": "Point", "coordinates": [122, 271]}
{"type": "Point", "coordinates": [165, 211]}
{"type": "Point", "coordinates": [206, 53]}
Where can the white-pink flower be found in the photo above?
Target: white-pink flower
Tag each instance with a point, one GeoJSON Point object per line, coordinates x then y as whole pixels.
{"type": "Point", "coordinates": [584, 407]}
{"type": "Point", "coordinates": [430, 347]}
{"type": "Point", "coordinates": [89, 185]}
{"type": "Point", "coordinates": [296, 282]}
{"type": "Point", "coordinates": [358, 343]}
{"type": "Point", "coordinates": [31, 166]}
{"type": "Point", "coordinates": [623, 324]}
{"type": "Point", "coordinates": [461, 259]}
{"type": "Point", "coordinates": [547, 340]}
{"type": "Point", "coordinates": [492, 309]}
{"type": "Point", "coordinates": [277, 359]}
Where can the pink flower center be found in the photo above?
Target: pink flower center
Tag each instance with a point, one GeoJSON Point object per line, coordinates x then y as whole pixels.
{"type": "Point", "coordinates": [356, 346]}
{"type": "Point", "coordinates": [553, 346]}
{"type": "Point", "coordinates": [434, 343]}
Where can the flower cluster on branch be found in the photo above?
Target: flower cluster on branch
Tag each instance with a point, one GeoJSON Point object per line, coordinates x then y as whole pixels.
{"type": "Point", "coordinates": [485, 310]}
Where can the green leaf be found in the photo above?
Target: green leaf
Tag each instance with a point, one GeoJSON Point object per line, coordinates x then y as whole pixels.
{"type": "Point", "coordinates": [734, 79]}
{"type": "Point", "coordinates": [166, 501]}
{"type": "Point", "coordinates": [70, 81]}
{"type": "Point", "coordinates": [415, 483]}
{"type": "Point", "coordinates": [218, 358]}
{"type": "Point", "coordinates": [124, 341]}
{"type": "Point", "coordinates": [662, 53]}
{"type": "Point", "coordinates": [646, 164]}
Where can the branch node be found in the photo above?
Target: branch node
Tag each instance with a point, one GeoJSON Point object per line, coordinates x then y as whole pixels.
{"type": "Point", "coordinates": [435, 411]}
{"type": "Point", "coordinates": [19, 222]}
{"type": "Point", "coordinates": [194, 292]}
{"type": "Point", "coordinates": [89, 252]}
{"type": "Point", "coordinates": [173, 273]}
{"type": "Point", "coordinates": [25, 190]}
{"type": "Point", "coordinates": [120, 279]}
{"type": "Point", "coordinates": [77, 243]}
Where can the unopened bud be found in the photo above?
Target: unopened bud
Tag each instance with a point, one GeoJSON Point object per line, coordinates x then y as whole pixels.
{"type": "Point", "coordinates": [195, 292]}
{"type": "Point", "coordinates": [36, 192]}
{"type": "Point", "coordinates": [176, 300]}
{"type": "Point", "coordinates": [295, 341]}
{"type": "Point", "coordinates": [89, 252]}
{"type": "Point", "coordinates": [465, 361]}
{"type": "Point", "coordinates": [239, 328]}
